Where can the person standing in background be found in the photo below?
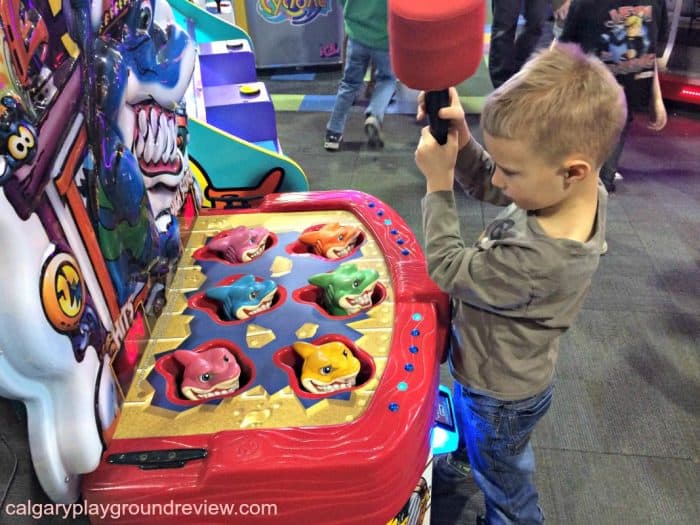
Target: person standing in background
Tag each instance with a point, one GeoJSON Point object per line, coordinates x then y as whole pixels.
{"type": "Point", "coordinates": [625, 36]}
{"type": "Point", "coordinates": [368, 41]}
{"type": "Point", "coordinates": [510, 49]}
{"type": "Point", "coordinates": [560, 8]}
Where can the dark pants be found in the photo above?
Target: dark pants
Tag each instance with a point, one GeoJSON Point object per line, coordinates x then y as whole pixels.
{"type": "Point", "coordinates": [609, 167]}
{"type": "Point", "coordinates": [507, 52]}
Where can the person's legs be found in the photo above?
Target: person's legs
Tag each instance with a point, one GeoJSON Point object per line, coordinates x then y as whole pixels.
{"type": "Point", "coordinates": [385, 84]}
{"type": "Point", "coordinates": [381, 96]}
{"type": "Point", "coordinates": [502, 461]}
{"type": "Point", "coordinates": [502, 63]}
{"type": "Point", "coordinates": [609, 167]}
{"type": "Point", "coordinates": [454, 467]}
{"type": "Point", "coordinates": [525, 43]}
{"type": "Point", "coordinates": [356, 63]}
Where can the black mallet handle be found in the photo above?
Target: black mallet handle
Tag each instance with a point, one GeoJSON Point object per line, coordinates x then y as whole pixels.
{"type": "Point", "coordinates": [434, 100]}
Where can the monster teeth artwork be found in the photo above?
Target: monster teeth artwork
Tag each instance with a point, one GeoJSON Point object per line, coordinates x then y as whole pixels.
{"type": "Point", "coordinates": [155, 140]}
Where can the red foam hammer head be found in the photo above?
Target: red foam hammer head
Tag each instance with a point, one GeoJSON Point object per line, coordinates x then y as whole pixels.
{"type": "Point", "coordinates": [435, 44]}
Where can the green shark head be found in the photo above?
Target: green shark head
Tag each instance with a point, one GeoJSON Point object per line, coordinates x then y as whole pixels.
{"type": "Point", "coordinates": [347, 290]}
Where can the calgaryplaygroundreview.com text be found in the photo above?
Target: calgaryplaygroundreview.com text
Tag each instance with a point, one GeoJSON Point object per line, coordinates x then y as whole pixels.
{"type": "Point", "coordinates": [115, 511]}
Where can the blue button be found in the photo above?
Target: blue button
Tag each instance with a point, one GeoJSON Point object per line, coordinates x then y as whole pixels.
{"type": "Point", "coordinates": [393, 407]}
{"type": "Point", "coordinates": [405, 252]}
{"type": "Point", "coordinates": [409, 367]}
{"type": "Point", "coordinates": [371, 205]}
{"type": "Point", "coordinates": [415, 332]}
{"type": "Point", "coordinates": [394, 232]}
{"type": "Point", "coordinates": [400, 241]}
{"type": "Point", "coordinates": [413, 349]}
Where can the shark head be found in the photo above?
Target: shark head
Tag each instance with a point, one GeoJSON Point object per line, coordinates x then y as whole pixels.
{"type": "Point", "coordinates": [327, 367]}
{"type": "Point", "coordinates": [346, 290]}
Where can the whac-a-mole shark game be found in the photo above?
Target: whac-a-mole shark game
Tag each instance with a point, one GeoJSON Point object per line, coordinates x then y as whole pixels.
{"type": "Point", "coordinates": [196, 337]}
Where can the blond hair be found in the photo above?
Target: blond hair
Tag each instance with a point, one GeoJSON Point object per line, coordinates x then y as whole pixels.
{"type": "Point", "coordinates": [561, 102]}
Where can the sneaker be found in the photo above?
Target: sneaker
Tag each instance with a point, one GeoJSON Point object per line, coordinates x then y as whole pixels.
{"type": "Point", "coordinates": [452, 468]}
{"type": "Point", "coordinates": [332, 141]}
{"type": "Point", "coordinates": [373, 130]}
{"type": "Point", "coordinates": [609, 186]}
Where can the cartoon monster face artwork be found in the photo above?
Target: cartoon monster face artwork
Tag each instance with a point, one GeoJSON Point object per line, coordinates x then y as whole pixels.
{"type": "Point", "coordinates": [332, 240]}
{"type": "Point", "coordinates": [159, 58]}
{"type": "Point", "coordinates": [18, 139]}
{"type": "Point", "coordinates": [328, 367]}
{"type": "Point", "coordinates": [347, 289]}
{"type": "Point", "coordinates": [244, 297]}
{"type": "Point", "coordinates": [143, 65]}
{"type": "Point", "coordinates": [212, 373]}
{"type": "Point", "coordinates": [240, 244]}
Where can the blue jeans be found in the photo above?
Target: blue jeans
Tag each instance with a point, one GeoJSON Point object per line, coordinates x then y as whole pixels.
{"type": "Point", "coordinates": [508, 52]}
{"type": "Point", "coordinates": [356, 61]}
{"type": "Point", "coordinates": [497, 435]}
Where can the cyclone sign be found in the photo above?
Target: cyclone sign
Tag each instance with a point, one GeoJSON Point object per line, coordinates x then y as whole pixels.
{"type": "Point", "coordinates": [296, 12]}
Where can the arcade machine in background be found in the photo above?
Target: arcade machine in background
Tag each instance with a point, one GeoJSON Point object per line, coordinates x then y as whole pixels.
{"type": "Point", "coordinates": [680, 63]}
{"type": "Point", "coordinates": [308, 34]}
{"type": "Point", "coordinates": [231, 113]}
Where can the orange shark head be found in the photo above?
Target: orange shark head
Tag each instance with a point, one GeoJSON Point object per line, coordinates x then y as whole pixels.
{"type": "Point", "coordinates": [328, 367]}
{"type": "Point", "coordinates": [332, 240]}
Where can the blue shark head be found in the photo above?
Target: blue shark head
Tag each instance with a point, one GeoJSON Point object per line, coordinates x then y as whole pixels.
{"type": "Point", "coordinates": [244, 297]}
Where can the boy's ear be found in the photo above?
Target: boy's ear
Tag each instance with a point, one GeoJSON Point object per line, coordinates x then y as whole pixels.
{"type": "Point", "coordinates": [577, 169]}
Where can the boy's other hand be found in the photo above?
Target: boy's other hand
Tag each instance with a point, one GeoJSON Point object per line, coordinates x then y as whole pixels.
{"type": "Point", "coordinates": [454, 113]}
{"type": "Point", "coordinates": [657, 115]}
{"type": "Point", "coordinates": [563, 11]}
{"type": "Point", "coordinates": [437, 163]}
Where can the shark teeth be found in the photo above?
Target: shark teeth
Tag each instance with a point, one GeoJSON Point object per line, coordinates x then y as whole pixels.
{"type": "Point", "coordinates": [344, 250]}
{"type": "Point", "coordinates": [155, 140]}
{"type": "Point", "coordinates": [218, 392]}
{"type": "Point", "coordinates": [222, 389]}
{"type": "Point", "coordinates": [363, 300]}
{"type": "Point", "coordinates": [256, 252]}
{"type": "Point", "coordinates": [264, 305]}
{"type": "Point", "coordinates": [324, 388]}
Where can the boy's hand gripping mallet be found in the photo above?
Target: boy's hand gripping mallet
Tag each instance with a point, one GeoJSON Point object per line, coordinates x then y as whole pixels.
{"type": "Point", "coordinates": [435, 45]}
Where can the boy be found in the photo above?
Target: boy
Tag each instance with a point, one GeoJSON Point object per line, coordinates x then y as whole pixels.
{"type": "Point", "coordinates": [368, 40]}
{"type": "Point", "coordinates": [548, 130]}
{"type": "Point", "coordinates": [625, 36]}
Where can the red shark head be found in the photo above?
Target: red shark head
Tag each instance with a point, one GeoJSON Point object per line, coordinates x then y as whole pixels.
{"type": "Point", "coordinates": [211, 373]}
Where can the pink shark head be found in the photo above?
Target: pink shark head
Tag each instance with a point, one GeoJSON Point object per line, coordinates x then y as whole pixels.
{"type": "Point", "coordinates": [240, 244]}
{"type": "Point", "coordinates": [211, 373]}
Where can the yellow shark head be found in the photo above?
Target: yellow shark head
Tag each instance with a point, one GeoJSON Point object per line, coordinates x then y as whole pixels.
{"type": "Point", "coordinates": [328, 367]}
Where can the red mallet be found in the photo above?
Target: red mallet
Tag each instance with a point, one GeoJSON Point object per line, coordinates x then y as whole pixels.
{"type": "Point", "coordinates": [435, 45]}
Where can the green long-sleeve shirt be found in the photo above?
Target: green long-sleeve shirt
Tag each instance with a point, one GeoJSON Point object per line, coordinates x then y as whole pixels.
{"type": "Point", "coordinates": [366, 22]}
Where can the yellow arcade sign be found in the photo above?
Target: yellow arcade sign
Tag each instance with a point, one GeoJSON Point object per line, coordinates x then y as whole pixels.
{"type": "Point", "coordinates": [63, 292]}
